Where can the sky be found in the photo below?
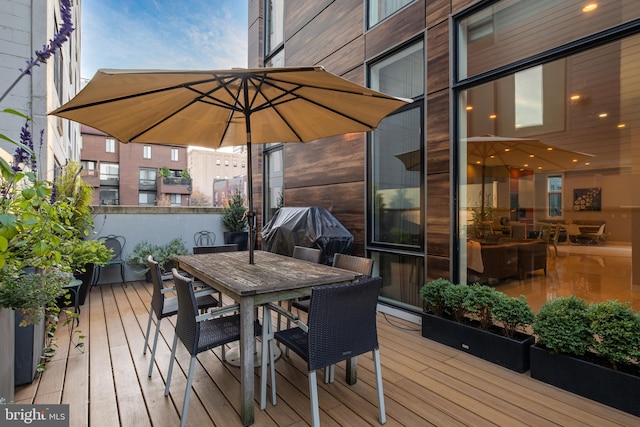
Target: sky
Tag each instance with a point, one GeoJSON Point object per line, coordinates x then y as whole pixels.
{"type": "Point", "coordinates": [163, 34]}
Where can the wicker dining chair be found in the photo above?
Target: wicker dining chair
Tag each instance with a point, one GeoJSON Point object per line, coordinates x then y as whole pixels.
{"type": "Point", "coordinates": [200, 333]}
{"type": "Point", "coordinates": [341, 325]}
{"type": "Point", "coordinates": [165, 307]}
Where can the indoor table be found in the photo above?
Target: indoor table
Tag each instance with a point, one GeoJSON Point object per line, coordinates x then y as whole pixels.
{"type": "Point", "coordinates": [271, 278]}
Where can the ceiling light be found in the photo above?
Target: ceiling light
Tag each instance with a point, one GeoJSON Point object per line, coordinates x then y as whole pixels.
{"type": "Point", "coordinates": [621, 125]}
{"type": "Point", "coordinates": [469, 108]}
{"type": "Point", "coordinates": [575, 97]}
{"type": "Point", "coordinates": [602, 115]}
{"type": "Point", "coordinates": [493, 116]}
{"type": "Point", "coordinates": [590, 7]}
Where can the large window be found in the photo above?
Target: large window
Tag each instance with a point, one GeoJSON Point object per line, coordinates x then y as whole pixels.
{"type": "Point", "coordinates": [274, 180]}
{"type": "Point", "coordinates": [109, 172]}
{"type": "Point", "coordinates": [547, 141]}
{"type": "Point", "coordinates": [396, 153]}
{"type": "Point", "coordinates": [274, 25]}
{"type": "Point", "coordinates": [395, 232]}
{"type": "Point", "coordinates": [148, 177]}
{"type": "Point", "coordinates": [109, 196]}
{"type": "Point", "coordinates": [147, 198]}
{"type": "Point", "coordinates": [380, 9]}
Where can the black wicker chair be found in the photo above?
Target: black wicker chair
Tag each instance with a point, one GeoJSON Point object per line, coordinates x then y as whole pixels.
{"type": "Point", "coordinates": [341, 325]}
{"type": "Point", "coordinates": [165, 307]}
{"type": "Point", "coordinates": [200, 333]}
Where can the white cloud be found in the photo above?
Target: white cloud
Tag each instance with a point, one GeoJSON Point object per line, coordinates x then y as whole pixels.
{"type": "Point", "coordinates": [196, 34]}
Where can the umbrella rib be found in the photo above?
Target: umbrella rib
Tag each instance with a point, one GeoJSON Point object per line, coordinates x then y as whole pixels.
{"type": "Point", "coordinates": [293, 93]}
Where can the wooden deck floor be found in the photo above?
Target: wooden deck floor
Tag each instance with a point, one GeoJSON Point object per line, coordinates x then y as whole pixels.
{"type": "Point", "coordinates": [425, 383]}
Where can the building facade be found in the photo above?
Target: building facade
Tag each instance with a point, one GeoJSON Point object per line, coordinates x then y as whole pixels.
{"type": "Point", "coordinates": [134, 174]}
{"type": "Point", "coordinates": [26, 27]}
{"type": "Point", "coordinates": [210, 167]}
{"type": "Point", "coordinates": [436, 187]}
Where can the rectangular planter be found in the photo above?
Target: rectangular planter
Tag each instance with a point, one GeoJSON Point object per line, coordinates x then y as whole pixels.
{"type": "Point", "coordinates": [7, 337]}
{"type": "Point", "coordinates": [507, 352]}
{"type": "Point", "coordinates": [29, 345]}
{"type": "Point", "coordinates": [600, 383]}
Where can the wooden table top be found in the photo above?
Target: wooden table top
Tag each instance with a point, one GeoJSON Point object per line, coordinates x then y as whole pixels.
{"type": "Point", "coordinates": [270, 273]}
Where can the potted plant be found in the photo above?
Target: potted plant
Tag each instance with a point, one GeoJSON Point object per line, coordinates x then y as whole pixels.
{"type": "Point", "coordinates": [75, 195]}
{"type": "Point", "coordinates": [162, 254]}
{"type": "Point", "coordinates": [479, 320]}
{"type": "Point", "coordinates": [234, 219]}
{"type": "Point", "coordinates": [589, 349]}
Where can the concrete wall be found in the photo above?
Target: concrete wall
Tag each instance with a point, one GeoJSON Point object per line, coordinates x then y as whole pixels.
{"type": "Point", "coordinates": [156, 225]}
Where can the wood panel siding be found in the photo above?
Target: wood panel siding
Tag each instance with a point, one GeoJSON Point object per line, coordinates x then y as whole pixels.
{"type": "Point", "coordinates": [395, 30]}
{"type": "Point", "coordinates": [437, 11]}
{"type": "Point", "coordinates": [326, 161]}
{"type": "Point", "coordinates": [437, 267]}
{"type": "Point", "coordinates": [346, 58]}
{"type": "Point", "coordinates": [438, 145]}
{"type": "Point", "coordinates": [345, 201]}
{"type": "Point", "coordinates": [333, 28]}
{"type": "Point", "coordinates": [438, 223]}
{"type": "Point", "coordinates": [438, 58]}
{"type": "Point", "coordinates": [297, 14]}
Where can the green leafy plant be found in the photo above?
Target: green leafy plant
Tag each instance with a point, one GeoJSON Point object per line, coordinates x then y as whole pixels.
{"type": "Point", "coordinates": [32, 293]}
{"type": "Point", "coordinates": [563, 326]}
{"type": "Point", "coordinates": [480, 301]}
{"type": "Point", "coordinates": [617, 332]}
{"type": "Point", "coordinates": [234, 214]}
{"type": "Point", "coordinates": [514, 313]}
{"type": "Point", "coordinates": [162, 254]}
{"type": "Point", "coordinates": [164, 172]}
{"type": "Point", "coordinates": [454, 297]}
{"type": "Point", "coordinates": [432, 294]}
{"type": "Point", "coordinates": [184, 173]}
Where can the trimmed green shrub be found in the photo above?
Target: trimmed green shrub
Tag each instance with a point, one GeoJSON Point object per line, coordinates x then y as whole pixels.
{"type": "Point", "coordinates": [480, 301]}
{"type": "Point", "coordinates": [563, 326]}
{"type": "Point", "coordinates": [617, 332]}
{"type": "Point", "coordinates": [514, 313]}
{"type": "Point", "coordinates": [432, 294]}
{"type": "Point", "coordinates": [454, 297]}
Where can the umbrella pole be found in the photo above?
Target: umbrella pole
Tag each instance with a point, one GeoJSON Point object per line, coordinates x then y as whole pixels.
{"type": "Point", "coordinates": [251, 215]}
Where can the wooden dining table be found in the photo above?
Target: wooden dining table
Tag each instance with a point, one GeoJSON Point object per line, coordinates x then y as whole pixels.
{"type": "Point", "coordinates": [272, 277]}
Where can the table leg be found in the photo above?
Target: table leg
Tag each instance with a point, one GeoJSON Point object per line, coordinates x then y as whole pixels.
{"type": "Point", "coordinates": [247, 348]}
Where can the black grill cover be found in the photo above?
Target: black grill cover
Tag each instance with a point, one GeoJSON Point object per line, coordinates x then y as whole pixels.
{"type": "Point", "coordinates": [313, 227]}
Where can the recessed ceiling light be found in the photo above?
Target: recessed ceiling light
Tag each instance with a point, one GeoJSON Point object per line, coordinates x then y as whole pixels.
{"type": "Point", "coordinates": [468, 108]}
{"type": "Point", "coordinates": [602, 115]}
{"type": "Point", "coordinates": [590, 7]}
{"type": "Point", "coordinates": [621, 125]}
{"type": "Point", "coordinates": [575, 97]}
{"type": "Point", "coordinates": [493, 116]}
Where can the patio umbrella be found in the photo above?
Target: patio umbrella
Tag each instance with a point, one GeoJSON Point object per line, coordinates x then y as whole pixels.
{"type": "Point", "coordinates": [221, 108]}
{"type": "Point", "coordinates": [492, 150]}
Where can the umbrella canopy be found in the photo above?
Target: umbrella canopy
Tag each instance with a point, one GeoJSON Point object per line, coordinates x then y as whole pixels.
{"type": "Point", "coordinates": [491, 150]}
{"type": "Point", "coordinates": [227, 108]}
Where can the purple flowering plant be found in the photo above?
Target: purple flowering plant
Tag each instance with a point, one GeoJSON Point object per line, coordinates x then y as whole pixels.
{"type": "Point", "coordinates": [33, 226]}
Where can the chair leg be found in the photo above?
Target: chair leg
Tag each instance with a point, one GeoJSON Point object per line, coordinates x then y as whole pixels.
{"type": "Point", "coordinates": [381, 410]}
{"type": "Point", "coordinates": [122, 274]}
{"type": "Point", "coordinates": [352, 371]}
{"type": "Point", "coordinates": [187, 393]}
{"type": "Point", "coordinates": [146, 336]}
{"type": "Point", "coordinates": [173, 357]}
{"type": "Point", "coordinates": [313, 396]}
{"type": "Point", "coordinates": [155, 344]}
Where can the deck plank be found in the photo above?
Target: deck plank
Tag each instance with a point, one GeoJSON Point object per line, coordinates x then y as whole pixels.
{"type": "Point", "coordinates": [425, 383]}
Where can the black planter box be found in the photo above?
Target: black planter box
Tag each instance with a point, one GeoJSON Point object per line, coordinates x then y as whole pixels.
{"type": "Point", "coordinates": [29, 345]}
{"type": "Point", "coordinates": [511, 353]}
{"type": "Point", "coordinates": [241, 238]}
{"type": "Point", "coordinates": [596, 382]}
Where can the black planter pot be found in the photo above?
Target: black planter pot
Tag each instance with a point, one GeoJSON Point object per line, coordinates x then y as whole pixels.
{"type": "Point", "coordinates": [86, 277]}
{"type": "Point", "coordinates": [29, 345]}
{"type": "Point", "coordinates": [591, 380]}
{"type": "Point", "coordinates": [241, 238]}
{"type": "Point", "coordinates": [511, 353]}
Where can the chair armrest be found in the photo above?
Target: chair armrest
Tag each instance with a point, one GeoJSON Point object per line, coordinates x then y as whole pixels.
{"type": "Point", "coordinates": [218, 312]}
{"type": "Point", "coordinates": [289, 315]}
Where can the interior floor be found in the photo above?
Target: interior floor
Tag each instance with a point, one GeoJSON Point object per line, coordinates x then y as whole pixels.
{"type": "Point", "coordinates": [593, 273]}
